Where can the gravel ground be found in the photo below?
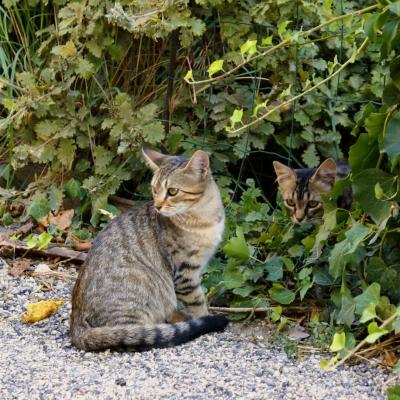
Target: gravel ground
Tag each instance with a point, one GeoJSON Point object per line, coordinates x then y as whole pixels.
{"type": "Point", "coordinates": [38, 362]}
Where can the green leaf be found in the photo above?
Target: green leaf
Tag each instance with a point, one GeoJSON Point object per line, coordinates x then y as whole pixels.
{"type": "Point", "coordinates": [236, 117]}
{"type": "Point", "coordinates": [249, 48]}
{"type": "Point", "coordinates": [189, 76]}
{"type": "Point", "coordinates": [73, 189]}
{"type": "Point", "coordinates": [55, 197]}
{"type": "Point", "coordinates": [68, 49]}
{"type": "Point", "coordinates": [236, 247]}
{"type": "Point", "coordinates": [310, 156]}
{"type": "Point", "coordinates": [280, 294]}
{"type": "Point", "coordinates": [267, 41]}
{"type": "Point", "coordinates": [391, 94]}
{"type": "Point", "coordinates": [338, 342]}
{"type": "Point", "coordinates": [368, 313]}
{"type": "Point", "coordinates": [296, 250]}
{"type": "Point", "coordinates": [154, 132]}
{"type": "Point", "coordinates": [282, 27]}
{"type": "Point", "coordinates": [233, 277]}
{"type": "Point", "coordinates": [44, 240]}
{"type": "Point", "coordinates": [244, 291]}
{"type": "Point", "coordinates": [393, 393]}
{"type": "Point", "coordinates": [84, 68]}
{"type": "Point", "coordinates": [363, 182]}
{"type": "Point", "coordinates": [391, 143]}
{"type": "Point", "coordinates": [375, 332]}
{"type": "Point", "coordinates": [346, 314]}
{"type": "Point", "coordinates": [371, 295]}
{"type": "Point", "coordinates": [215, 67]}
{"type": "Point", "coordinates": [342, 252]}
{"type": "Point", "coordinates": [378, 191]}
{"type": "Point", "coordinates": [274, 267]}
{"type": "Point", "coordinates": [39, 209]}
{"type": "Point", "coordinates": [363, 154]}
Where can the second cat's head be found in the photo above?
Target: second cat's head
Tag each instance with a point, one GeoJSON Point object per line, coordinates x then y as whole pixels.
{"type": "Point", "coordinates": [178, 182]}
{"type": "Point", "coordinates": [301, 189]}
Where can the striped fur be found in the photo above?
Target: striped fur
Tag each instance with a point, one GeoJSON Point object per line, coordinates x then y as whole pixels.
{"type": "Point", "coordinates": [147, 259]}
{"type": "Point", "coordinates": [301, 189]}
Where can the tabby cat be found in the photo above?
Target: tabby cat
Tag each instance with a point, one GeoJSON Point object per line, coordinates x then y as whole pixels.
{"type": "Point", "coordinates": [301, 189]}
{"type": "Point", "coordinates": [150, 257]}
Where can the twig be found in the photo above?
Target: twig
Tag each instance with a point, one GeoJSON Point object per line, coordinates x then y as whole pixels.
{"type": "Point", "coordinates": [353, 351]}
{"type": "Point", "coordinates": [253, 310]}
{"type": "Point", "coordinates": [286, 42]}
{"type": "Point", "coordinates": [291, 100]}
{"type": "Point", "coordinates": [52, 252]}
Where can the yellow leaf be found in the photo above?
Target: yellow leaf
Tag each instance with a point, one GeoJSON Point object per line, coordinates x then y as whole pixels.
{"type": "Point", "coordinates": [40, 310]}
{"type": "Point", "coordinates": [68, 50]}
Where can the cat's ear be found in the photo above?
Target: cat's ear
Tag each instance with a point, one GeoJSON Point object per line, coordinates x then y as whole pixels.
{"type": "Point", "coordinates": [325, 176]}
{"type": "Point", "coordinates": [153, 158]}
{"type": "Point", "coordinates": [286, 176]}
{"type": "Point", "coordinates": [198, 164]}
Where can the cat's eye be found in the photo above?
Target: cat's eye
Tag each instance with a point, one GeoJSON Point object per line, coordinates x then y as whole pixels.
{"type": "Point", "coordinates": [172, 191]}
{"type": "Point", "coordinates": [290, 202]}
{"type": "Point", "coordinates": [313, 203]}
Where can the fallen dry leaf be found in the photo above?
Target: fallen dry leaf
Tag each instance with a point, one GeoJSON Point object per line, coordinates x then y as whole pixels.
{"type": "Point", "coordinates": [18, 267]}
{"type": "Point", "coordinates": [390, 358]}
{"type": "Point", "coordinates": [62, 220]}
{"type": "Point", "coordinates": [82, 245]}
{"type": "Point", "coordinates": [40, 310]}
{"type": "Point", "coordinates": [297, 333]}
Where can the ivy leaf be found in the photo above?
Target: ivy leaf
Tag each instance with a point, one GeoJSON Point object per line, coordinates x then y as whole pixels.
{"type": "Point", "coordinates": [237, 247]}
{"type": "Point", "coordinates": [282, 28]}
{"type": "Point", "coordinates": [371, 295]}
{"type": "Point", "coordinates": [346, 314]}
{"type": "Point", "coordinates": [280, 294]}
{"type": "Point", "coordinates": [236, 117]}
{"type": "Point", "coordinates": [368, 313]}
{"type": "Point", "coordinates": [342, 252]}
{"type": "Point", "coordinates": [274, 268]}
{"type": "Point", "coordinates": [189, 76]}
{"type": "Point", "coordinates": [233, 277]}
{"type": "Point", "coordinates": [249, 48]}
{"type": "Point", "coordinates": [375, 332]}
{"type": "Point", "coordinates": [363, 182]}
{"type": "Point", "coordinates": [267, 41]}
{"type": "Point", "coordinates": [338, 342]}
{"type": "Point", "coordinates": [391, 143]}
{"type": "Point", "coordinates": [215, 67]}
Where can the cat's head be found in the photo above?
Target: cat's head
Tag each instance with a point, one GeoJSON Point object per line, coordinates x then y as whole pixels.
{"type": "Point", "coordinates": [301, 189]}
{"type": "Point", "coordinates": [178, 182]}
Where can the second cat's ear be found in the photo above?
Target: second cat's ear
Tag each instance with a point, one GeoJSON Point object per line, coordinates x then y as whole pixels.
{"type": "Point", "coordinates": [325, 176]}
{"type": "Point", "coordinates": [199, 163]}
{"type": "Point", "coordinates": [153, 158]}
{"type": "Point", "coordinates": [284, 173]}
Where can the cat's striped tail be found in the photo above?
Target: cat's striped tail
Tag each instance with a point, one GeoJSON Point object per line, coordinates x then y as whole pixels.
{"type": "Point", "coordinates": [145, 337]}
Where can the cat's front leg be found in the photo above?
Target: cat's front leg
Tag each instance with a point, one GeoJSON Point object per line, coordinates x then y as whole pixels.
{"type": "Point", "coordinates": [190, 293]}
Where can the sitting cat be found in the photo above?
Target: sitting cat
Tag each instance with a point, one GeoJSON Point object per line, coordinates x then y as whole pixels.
{"type": "Point", "coordinates": [147, 259]}
{"type": "Point", "coordinates": [301, 189]}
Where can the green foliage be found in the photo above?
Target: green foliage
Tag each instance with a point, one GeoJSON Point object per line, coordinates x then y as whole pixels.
{"type": "Point", "coordinates": [83, 88]}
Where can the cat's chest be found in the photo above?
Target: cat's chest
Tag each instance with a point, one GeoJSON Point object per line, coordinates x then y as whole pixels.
{"type": "Point", "coordinates": [198, 246]}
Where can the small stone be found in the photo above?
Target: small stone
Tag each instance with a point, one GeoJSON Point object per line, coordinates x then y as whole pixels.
{"type": "Point", "coordinates": [120, 381]}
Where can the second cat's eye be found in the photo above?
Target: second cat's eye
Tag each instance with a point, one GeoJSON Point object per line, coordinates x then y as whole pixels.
{"type": "Point", "coordinates": [290, 203]}
{"type": "Point", "coordinates": [313, 203]}
{"type": "Point", "coordinates": [172, 191]}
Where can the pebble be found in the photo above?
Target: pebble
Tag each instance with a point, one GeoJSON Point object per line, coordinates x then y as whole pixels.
{"type": "Point", "coordinates": [38, 362]}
